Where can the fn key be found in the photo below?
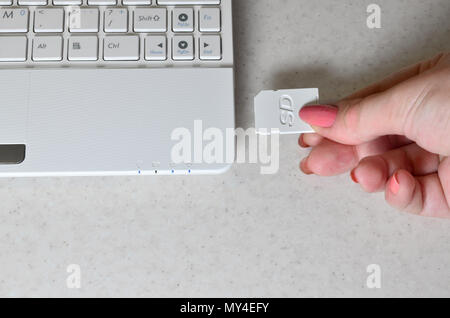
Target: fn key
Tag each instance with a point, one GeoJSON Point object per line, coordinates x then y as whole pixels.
{"type": "Point", "coordinates": [211, 47]}
{"type": "Point", "coordinates": [13, 48]}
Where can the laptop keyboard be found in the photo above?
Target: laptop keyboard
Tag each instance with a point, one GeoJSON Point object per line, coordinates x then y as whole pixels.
{"type": "Point", "coordinates": [89, 31]}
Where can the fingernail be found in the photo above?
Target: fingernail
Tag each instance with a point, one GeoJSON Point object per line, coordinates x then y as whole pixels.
{"type": "Point", "coordinates": [319, 115]}
{"type": "Point", "coordinates": [302, 143]}
{"type": "Point", "coordinates": [353, 176]}
{"type": "Point", "coordinates": [304, 167]}
{"type": "Point", "coordinates": [394, 184]}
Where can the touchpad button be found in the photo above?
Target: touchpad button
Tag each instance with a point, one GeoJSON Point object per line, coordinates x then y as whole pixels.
{"type": "Point", "coordinates": [12, 154]}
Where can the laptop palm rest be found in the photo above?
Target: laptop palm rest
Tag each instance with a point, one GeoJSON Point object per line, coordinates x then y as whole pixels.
{"type": "Point", "coordinates": [108, 121]}
{"type": "Point", "coordinates": [13, 118]}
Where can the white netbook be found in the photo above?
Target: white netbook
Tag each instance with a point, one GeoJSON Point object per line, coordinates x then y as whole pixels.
{"type": "Point", "coordinates": [96, 87]}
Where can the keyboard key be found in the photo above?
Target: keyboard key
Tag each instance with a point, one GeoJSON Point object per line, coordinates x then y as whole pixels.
{"type": "Point", "coordinates": [175, 2]}
{"type": "Point", "coordinates": [14, 48]}
{"type": "Point", "coordinates": [136, 2]}
{"type": "Point", "coordinates": [83, 48]}
{"type": "Point", "coordinates": [209, 20]}
{"type": "Point", "coordinates": [183, 48]}
{"type": "Point", "coordinates": [83, 20]}
{"type": "Point", "coordinates": [67, 2]}
{"type": "Point", "coordinates": [116, 20]}
{"type": "Point", "coordinates": [102, 2]}
{"type": "Point", "coordinates": [49, 20]}
{"type": "Point", "coordinates": [121, 48]}
{"type": "Point", "coordinates": [156, 48]}
{"type": "Point", "coordinates": [183, 20]}
{"type": "Point", "coordinates": [47, 48]}
{"type": "Point", "coordinates": [32, 2]}
{"type": "Point", "coordinates": [13, 20]}
{"type": "Point", "coordinates": [210, 47]}
{"type": "Point", "coordinates": [5, 2]}
{"type": "Point", "coordinates": [150, 20]}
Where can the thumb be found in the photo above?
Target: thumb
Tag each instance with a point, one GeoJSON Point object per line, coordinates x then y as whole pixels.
{"type": "Point", "coordinates": [357, 121]}
{"type": "Point", "coordinates": [396, 111]}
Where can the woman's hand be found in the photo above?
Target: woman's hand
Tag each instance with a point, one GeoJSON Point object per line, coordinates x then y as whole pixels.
{"type": "Point", "coordinates": [393, 136]}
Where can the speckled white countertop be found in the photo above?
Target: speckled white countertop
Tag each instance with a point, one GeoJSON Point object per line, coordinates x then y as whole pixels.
{"type": "Point", "coordinates": [244, 234]}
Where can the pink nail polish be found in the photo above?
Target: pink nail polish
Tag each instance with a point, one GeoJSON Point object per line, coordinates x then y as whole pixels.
{"type": "Point", "coordinates": [319, 115]}
{"type": "Point", "coordinates": [394, 184]}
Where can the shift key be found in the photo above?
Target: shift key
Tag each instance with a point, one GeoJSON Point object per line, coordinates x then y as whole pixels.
{"type": "Point", "coordinates": [121, 48]}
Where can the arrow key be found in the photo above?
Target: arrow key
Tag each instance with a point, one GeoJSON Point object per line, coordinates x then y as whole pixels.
{"type": "Point", "coordinates": [183, 48]}
{"type": "Point", "coordinates": [156, 48]}
{"type": "Point", "coordinates": [211, 47]}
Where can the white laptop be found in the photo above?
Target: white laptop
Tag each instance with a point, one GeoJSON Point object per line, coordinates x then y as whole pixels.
{"type": "Point", "coordinates": [96, 87]}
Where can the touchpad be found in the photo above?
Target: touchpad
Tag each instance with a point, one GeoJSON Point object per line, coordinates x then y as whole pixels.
{"type": "Point", "coordinates": [14, 91]}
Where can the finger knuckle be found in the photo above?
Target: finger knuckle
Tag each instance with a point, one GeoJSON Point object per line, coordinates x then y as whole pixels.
{"type": "Point", "coordinates": [351, 116]}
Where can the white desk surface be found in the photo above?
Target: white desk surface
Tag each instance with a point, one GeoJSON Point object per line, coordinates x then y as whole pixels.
{"type": "Point", "coordinates": [244, 234]}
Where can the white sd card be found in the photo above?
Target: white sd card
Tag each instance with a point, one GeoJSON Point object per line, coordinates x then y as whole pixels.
{"type": "Point", "coordinates": [278, 110]}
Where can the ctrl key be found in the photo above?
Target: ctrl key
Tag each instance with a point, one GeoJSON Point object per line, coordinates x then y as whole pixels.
{"type": "Point", "coordinates": [121, 48]}
{"type": "Point", "coordinates": [13, 48]}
